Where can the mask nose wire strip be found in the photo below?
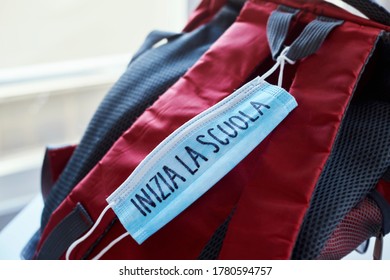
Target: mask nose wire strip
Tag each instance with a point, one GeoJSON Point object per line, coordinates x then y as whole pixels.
{"type": "Point", "coordinates": [85, 236]}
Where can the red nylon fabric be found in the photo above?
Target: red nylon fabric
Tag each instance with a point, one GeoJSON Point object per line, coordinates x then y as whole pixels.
{"type": "Point", "coordinates": [186, 235]}
{"type": "Point", "coordinates": [383, 188]}
{"type": "Point", "coordinates": [203, 13]}
{"type": "Point", "coordinates": [273, 204]}
{"type": "Point", "coordinates": [53, 165]}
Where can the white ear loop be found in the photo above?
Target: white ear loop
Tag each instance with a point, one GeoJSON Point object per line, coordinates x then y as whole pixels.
{"type": "Point", "coordinates": [280, 61]}
{"type": "Point", "coordinates": [85, 236]}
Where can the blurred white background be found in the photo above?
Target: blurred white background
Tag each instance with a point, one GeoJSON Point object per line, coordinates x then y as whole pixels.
{"type": "Point", "coordinates": [43, 31]}
{"type": "Point", "coordinates": [57, 61]}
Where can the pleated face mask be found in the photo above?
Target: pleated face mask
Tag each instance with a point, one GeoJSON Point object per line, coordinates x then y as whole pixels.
{"type": "Point", "coordinates": [197, 155]}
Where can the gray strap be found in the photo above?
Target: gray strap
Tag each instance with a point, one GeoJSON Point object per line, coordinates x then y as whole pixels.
{"type": "Point", "coordinates": [312, 37]}
{"type": "Point", "coordinates": [277, 28]}
{"type": "Point", "coordinates": [29, 249]}
{"type": "Point", "coordinates": [75, 224]}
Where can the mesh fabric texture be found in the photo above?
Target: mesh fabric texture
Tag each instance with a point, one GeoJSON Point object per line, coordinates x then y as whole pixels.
{"type": "Point", "coordinates": [214, 246]}
{"type": "Point", "coordinates": [360, 156]}
{"type": "Point", "coordinates": [361, 223]}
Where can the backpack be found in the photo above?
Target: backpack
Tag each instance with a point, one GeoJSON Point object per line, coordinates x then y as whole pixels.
{"type": "Point", "coordinates": [315, 188]}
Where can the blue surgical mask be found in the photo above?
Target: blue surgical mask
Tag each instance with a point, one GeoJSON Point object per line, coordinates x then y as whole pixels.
{"type": "Point", "coordinates": [196, 156]}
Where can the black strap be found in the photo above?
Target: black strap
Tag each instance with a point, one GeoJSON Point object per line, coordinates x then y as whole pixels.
{"type": "Point", "coordinates": [372, 10]}
{"type": "Point", "coordinates": [277, 28]}
{"type": "Point", "coordinates": [378, 248]}
{"type": "Point", "coordinates": [46, 175]}
{"type": "Point", "coordinates": [384, 206]}
{"type": "Point", "coordinates": [29, 249]}
{"type": "Point", "coordinates": [75, 224]}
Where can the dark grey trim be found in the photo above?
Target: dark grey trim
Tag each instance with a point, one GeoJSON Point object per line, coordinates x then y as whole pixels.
{"type": "Point", "coordinates": [277, 28]}
{"type": "Point", "coordinates": [72, 227]}
{"type": "Point", "coordinates": [312, 37]}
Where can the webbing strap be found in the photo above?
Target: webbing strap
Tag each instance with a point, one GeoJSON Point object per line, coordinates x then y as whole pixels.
{"type": "Point", "coordinates": [75, 224]}
{"type": "Point", "coordinates": [312, 37]}
{"type": "Point", "coordinates": [307, 43]}
{"type": "Point", "coordinates": [372, 10]}
{"type": "Point", "coordinates": [277, 28]}
{"type": "Point", "coordinates": [29, 249]}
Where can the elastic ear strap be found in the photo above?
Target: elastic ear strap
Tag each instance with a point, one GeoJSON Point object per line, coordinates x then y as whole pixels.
{"type": "Point", "coordinates": [277, 28]}
{"type": "Point", "coordinates": [85, 236]}
{"type": "Point", "coordinates": [312, 37]}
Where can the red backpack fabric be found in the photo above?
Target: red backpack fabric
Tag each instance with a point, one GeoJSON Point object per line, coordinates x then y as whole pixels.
{"type": "Point", "coordinates": [266, 197]}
